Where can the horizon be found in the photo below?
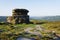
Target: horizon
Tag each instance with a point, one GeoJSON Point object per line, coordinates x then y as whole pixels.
{"type": "Point", "coordinates": [43, 16]}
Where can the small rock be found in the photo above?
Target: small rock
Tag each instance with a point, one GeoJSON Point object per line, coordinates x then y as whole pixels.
{"type": "Point", "coordinates": [1, 30]}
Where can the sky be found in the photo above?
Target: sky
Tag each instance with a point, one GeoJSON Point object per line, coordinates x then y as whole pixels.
{"type": "Point", "coordinates": [35, 7]}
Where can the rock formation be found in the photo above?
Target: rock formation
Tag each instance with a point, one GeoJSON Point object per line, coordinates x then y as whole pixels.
{"type": "Point", "coordinates": [18, 16]}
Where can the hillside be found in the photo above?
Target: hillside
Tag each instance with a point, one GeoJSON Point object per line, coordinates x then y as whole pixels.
{"type": "Point", "coordinates": [3, 18]}
{"type": "Point", "coordinates": [49, 18]}
{"type": "Point", "coordinates": [36, 31]}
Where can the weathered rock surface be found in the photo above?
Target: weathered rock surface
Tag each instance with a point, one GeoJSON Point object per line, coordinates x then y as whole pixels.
{"type": "Point", "coordinates": [19, 16]}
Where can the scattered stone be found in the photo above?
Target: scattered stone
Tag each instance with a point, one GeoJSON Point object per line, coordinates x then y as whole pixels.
{"type": "Point", "coordinates": [1, 30]}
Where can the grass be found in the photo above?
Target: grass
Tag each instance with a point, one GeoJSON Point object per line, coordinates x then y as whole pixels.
{"type": "Point", "coordinates": [10, 32]}
{"type": "Point", "coordinates": [13, 29]}
{"type": "Point", "coordinates": [53, 26]}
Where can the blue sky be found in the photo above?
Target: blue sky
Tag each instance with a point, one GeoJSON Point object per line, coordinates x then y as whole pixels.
{"type": "Point", "coordinates": [36, 7]}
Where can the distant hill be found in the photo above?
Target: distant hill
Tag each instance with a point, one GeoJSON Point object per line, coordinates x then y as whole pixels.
{"type": "Point", "coordinates": [49, 18]}
{"type": "Point", "coordinates": [3, 18]}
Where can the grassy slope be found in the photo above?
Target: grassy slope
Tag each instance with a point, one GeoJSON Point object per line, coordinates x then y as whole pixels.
{"type": "Point", "coordinates": [13, 31]}
{"type": "Point", "coordinates": [53, 26]}
{"type": "Point", "coordinates": [18, 29]}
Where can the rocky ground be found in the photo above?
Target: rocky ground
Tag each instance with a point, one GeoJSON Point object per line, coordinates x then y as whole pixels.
{"type": "Point", "coordinates": [37, 32]}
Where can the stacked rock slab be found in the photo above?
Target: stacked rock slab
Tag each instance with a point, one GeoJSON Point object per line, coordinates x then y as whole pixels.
{"type": "Point", "coordinates": [19, 16]}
